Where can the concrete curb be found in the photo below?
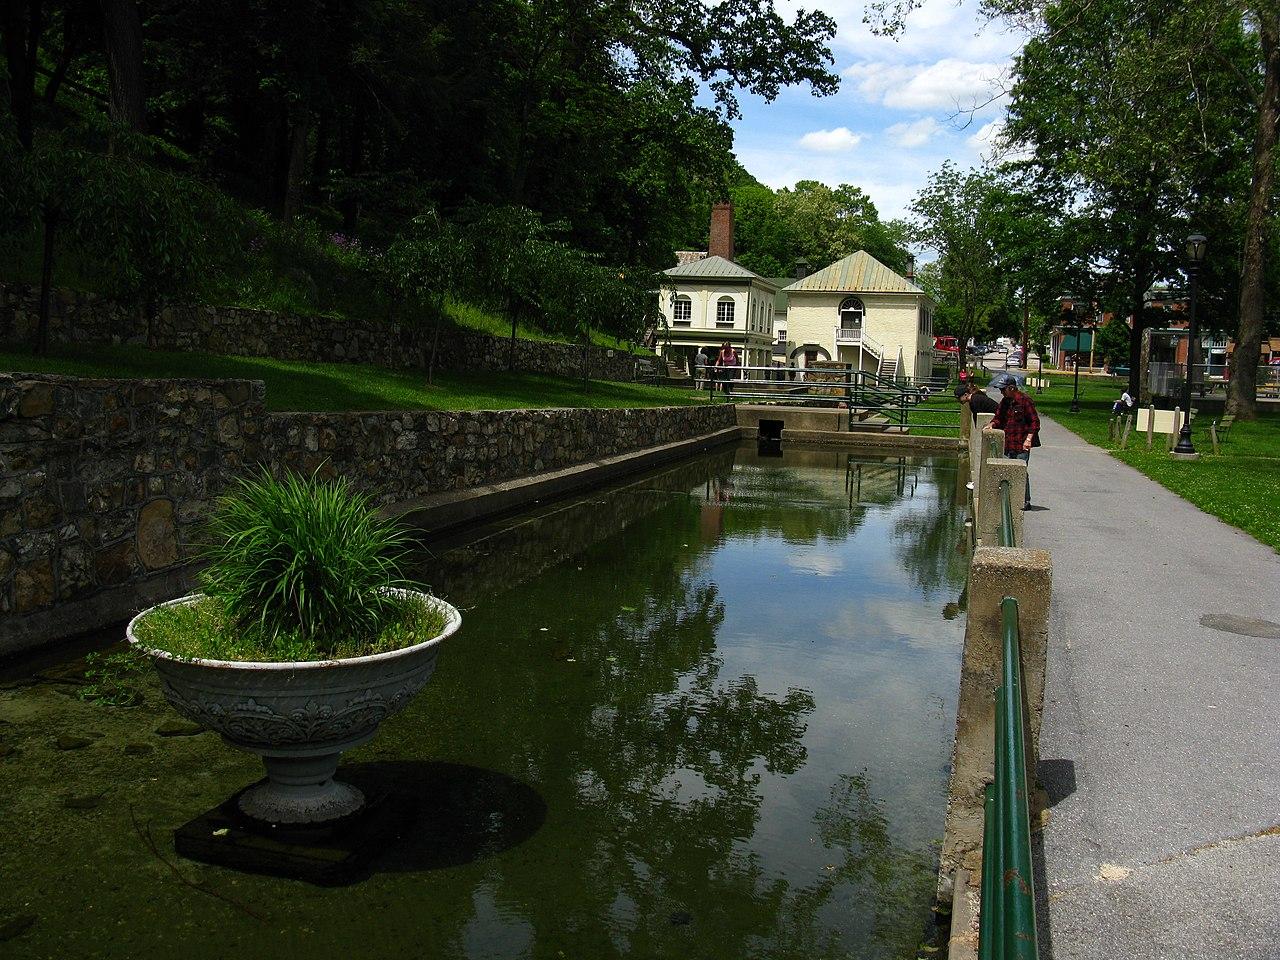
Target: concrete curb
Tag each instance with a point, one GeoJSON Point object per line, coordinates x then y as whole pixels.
{"type": "Point", "coordinates": [429, 515]}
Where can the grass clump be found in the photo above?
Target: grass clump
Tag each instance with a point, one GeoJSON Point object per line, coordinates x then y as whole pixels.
{"type": "Point", "coordinates": [298, 569]}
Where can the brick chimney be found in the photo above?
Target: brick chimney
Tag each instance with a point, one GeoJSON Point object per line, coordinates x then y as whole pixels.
{"type": "Point", "coordinates": [721, 244]}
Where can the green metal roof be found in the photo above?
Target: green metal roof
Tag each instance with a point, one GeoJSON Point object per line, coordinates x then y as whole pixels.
{"type": "Point", "coordinates": [857, 273]}
{"type": "Point", "coordinates": [714, 268]}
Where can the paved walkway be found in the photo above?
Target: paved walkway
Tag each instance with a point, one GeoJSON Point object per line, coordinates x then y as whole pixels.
{"type": "Point", "coordinates": [1161, 739]}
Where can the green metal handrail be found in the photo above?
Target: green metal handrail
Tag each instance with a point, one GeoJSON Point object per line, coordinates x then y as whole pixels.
{"type": "Point", "coordinates": [1007, 924]}
{"type": "Point", "coordinates": [1006, 517]}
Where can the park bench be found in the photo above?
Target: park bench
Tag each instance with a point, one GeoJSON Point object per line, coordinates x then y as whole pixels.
{"type": "Point", "coordinates": [1223, 426]}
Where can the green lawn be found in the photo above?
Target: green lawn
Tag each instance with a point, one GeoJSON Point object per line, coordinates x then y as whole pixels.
{"type": "Point", "coordinates": [941, 411]}
{"type": "Point", "coordinates": [1240, 486]}
{"type": "Point", "coordinates": [295, 385]}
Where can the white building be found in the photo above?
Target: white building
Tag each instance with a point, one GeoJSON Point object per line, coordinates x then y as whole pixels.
{"type": "Point", "coordinates": [713, 300]}
{"type": "Point", "coordinates": [858, 311]}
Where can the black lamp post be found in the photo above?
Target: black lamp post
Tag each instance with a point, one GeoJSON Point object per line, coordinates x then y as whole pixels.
{"type": "Point", "coordinates": [1196, 247]}
{"type": "Point", "coordinates": [1075, 396]}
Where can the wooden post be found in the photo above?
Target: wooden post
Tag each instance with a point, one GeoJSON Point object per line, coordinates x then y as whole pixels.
{"type": "Point", "coordinates": [1213, 436]}
{"type": "Point", "coordinates": [1177, 427]}
{"type": "Point", "coordinates": [1151, 425]}
{"type": "Point", "coordinates": [1128, 425]}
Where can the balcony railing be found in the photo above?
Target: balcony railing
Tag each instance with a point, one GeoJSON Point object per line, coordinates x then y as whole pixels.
{"type": "Point", "coordinates": [855, 337]}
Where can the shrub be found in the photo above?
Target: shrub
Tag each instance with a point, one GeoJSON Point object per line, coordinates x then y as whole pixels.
{"type": "Point", "coordinates": [303, 561]}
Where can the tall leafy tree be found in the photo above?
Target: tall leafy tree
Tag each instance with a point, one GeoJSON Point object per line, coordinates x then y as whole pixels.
{"type": "Point", "coordinates": [955, 216]}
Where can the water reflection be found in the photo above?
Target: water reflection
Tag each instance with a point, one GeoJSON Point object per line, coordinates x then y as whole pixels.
{"type": "Point", "coordinates": [675, 742]}
{"type": "Point", "coordinates": [704, 713]}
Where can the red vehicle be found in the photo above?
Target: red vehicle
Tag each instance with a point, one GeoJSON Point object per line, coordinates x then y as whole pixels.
{"type": "Point", "coordinates": [946, 344]}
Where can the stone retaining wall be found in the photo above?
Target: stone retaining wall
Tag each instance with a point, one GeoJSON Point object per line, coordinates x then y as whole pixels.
{"type": "Point", "coordinates": [104, 483]}
{"type": "Point", "coordinates": [77, 317]}
{"type": "Point", "coordinates": [102, 486]}
{"type": "Point", "coordinates": [401, 456]}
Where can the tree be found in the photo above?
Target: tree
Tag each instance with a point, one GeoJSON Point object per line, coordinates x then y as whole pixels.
{"type": "Point", "coordinates": [953, 215]}
{"type": "Point", "coordinates": [423, 268]}
{"type": "Point", "coordinates": [1112, 343]}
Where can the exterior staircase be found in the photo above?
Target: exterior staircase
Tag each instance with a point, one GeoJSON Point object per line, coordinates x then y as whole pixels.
{"type": "Point", "coordinates": [888, 369]}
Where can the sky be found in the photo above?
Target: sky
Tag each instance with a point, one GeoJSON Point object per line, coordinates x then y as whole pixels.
{"type": "Point", "coordinates": [903, 107]}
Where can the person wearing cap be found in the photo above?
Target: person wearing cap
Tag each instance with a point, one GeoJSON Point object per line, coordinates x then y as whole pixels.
{"type": "Point", "coordinates": [971, 395]}
{"type": "Point", "coordinates": [1018, 418]}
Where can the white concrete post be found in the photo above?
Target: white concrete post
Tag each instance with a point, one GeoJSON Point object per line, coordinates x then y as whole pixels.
{"type": "Point", "coordinates": [990, 509]}
{"type": "Point", "coordinates": [976, 454]}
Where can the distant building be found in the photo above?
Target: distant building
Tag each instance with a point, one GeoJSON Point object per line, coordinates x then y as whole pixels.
{"type": "Point", "coordinates": [855, 311]}
{"type": "Point", "coordinates": [711, 300]}
{"type": "Point", "coordinates": [860, 312]}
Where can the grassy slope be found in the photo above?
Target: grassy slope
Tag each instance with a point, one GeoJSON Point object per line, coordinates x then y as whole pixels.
{"type": "Point", "coordinates": [333, 386]}
{"type": "Point", "coordinates": [1240, 486]}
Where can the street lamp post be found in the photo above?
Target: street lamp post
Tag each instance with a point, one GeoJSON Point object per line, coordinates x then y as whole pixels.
{"type": "Point", "coordinates": [1075, 396]}
{"type": "Point", "coordinates": [1196, 247]}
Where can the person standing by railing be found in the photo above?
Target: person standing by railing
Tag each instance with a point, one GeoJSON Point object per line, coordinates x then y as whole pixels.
{"type": "Point", "coordinates": [728, 362]}
{"type": "Point", "coordinates": [1018, 418]}
{"type": "Point", "coordinates": [700, 369]}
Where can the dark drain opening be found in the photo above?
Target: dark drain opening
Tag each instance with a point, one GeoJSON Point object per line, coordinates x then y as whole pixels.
{"type": "Point", "coordinates": [770, 430]}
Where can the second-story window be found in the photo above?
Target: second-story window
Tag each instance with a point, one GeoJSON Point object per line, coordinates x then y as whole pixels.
{"type": "Point", "coordinates": [851, 312]}
{"type": "Point", "coordinates": [682, 311]}
{"type": "Point", "coordinates": [724, 312]}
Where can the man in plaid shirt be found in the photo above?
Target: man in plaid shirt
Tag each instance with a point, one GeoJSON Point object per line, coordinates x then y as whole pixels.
{"type": "Point", "coordinates": [1018, 419]}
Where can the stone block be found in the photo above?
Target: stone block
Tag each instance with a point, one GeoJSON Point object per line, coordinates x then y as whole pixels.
{"type": "Point", "coordinates": [39, 512]}
{"type": "Point", "coordinates": [33, 585]}
{"type": "Point", "coordinates": [75, 571]}
{"type": "Point", "coordinates": [115, 564]}
{"type": "Point", "coordinates": [35, 399]}
{"type": "Point", "coordinates": [157, 535]}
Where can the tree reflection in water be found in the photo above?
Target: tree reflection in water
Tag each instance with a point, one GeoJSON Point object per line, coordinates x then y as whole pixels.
{"type": "Point", "coordinates": [655, 764]}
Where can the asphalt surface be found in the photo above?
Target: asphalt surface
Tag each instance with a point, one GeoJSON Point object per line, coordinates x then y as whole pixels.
{"type": "Point", "coordinates": [1161, 736]}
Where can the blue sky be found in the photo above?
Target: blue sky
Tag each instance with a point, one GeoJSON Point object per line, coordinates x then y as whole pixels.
{"type": "Point", "coordinates": [903, 108]}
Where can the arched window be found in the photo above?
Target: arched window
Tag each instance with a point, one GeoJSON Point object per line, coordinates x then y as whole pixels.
{"type": "Point", "coordinates": [724, 312]}
{"type": "Point", "coordinates": [682, 310]}
{"type": "Point", "coordinates": [851, 313]}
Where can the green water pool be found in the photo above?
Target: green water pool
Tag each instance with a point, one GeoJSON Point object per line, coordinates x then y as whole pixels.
{"type": "Point", "coordinates": [704, 713]}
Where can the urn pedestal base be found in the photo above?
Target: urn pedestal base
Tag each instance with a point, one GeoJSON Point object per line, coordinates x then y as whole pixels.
{"type": "Point", "coordinates": [333, 854]}
{"type": "Point", "coordinates": [301, 790]}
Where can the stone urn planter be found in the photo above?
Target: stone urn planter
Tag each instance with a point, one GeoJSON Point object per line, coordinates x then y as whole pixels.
{"type": "Point", "coordinates": [298, 716]}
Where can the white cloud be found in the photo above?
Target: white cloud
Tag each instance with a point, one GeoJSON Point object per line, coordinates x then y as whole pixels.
{"type": "Point", "coordinates": [916, 133]}
{"type": "Point", "coordinates": [816, 561]}
{"type": "Point", "coordinates": [935, 29]}
{"type": "Point", "coordinates": [839, 140]}
{"type": "Point", "coordinates": [950, 84]}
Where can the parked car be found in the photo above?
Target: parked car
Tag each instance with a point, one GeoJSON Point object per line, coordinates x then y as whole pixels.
{"type": "Point", "coordinates": [978, 349]}
{"type": "Point", "coordinates": [946, 344]}
{"type": "Point", "coordinates": [1014, 359]}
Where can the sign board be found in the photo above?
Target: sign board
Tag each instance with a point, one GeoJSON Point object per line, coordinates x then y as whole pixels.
{"type": "Point", "coordinates": [1163, 420]}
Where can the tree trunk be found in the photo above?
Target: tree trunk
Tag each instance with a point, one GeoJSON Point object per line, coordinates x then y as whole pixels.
{"type": "Point", "coordinates": [299, 139]}
{"type": "Point", "coordinates": [123, 31]}
{"type": "Point", "coordinates": [435, 342]}
{"type": "Point", "coordinates": [51, 216]}
{"type": "Point", "coordinates": [70, 50]}
{"type": "Point", "coordinates": [1243, 396]}
{"type": "Point", "coordinates": [353, 166]}
{"type": "Point", "coordinates": [1138, 305]}
{"type": "Point", "coordinates": [22, 30]}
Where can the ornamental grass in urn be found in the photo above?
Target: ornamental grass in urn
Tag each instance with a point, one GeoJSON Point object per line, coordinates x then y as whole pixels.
{"type": "Point", "coordinates": [304, 637]}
